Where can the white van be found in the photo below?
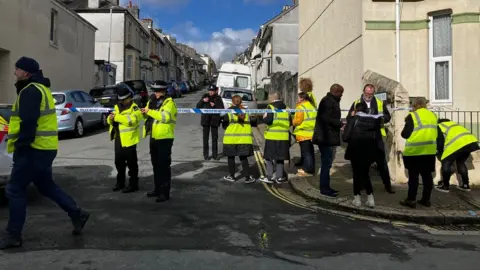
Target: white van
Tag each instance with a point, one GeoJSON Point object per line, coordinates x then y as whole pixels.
{"type": "Point", "coordinates": [234, 75]}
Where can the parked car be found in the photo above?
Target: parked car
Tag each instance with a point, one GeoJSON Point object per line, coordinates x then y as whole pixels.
{"type": "Point", "coordinates": [173, 90]}
{"type": "Point", "coordinates": [5, 162]}
{"type": "Point", "coordinates": [184, 87]}
{"type": "Point", "coordinates": [248, 98]}
{"type": "Point", "coordinates": [191, 85]}
{"type": "Point", "coordinates": [140, 91]}
{"type": "Point", "coordinates": [107, 94]}
{"type": "Point", "coordinates": [76, 122]}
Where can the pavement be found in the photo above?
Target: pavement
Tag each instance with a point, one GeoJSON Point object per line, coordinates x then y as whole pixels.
{"type": "Point", "coordinates": [210, 223]}
{"type": "Point", "coordinates": [455, 207]}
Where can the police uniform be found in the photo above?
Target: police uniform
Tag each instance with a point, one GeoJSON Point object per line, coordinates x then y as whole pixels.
{"type": "Point", "coordinates": [277, 142]}
{"type": "Point", "coordinates": [454, 146]}
{"type": "Point", "coordinates": [124, 130]}
{"type": "Point", "coordinates": [160, 125]}
{"type": "Point", "coordinates": [419, 154]}
{"type": "Point", "coordinates": [33, 140]}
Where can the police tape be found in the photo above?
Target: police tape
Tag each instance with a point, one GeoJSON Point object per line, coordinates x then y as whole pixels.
{"type": "Point", "coordinates": [206, 111]}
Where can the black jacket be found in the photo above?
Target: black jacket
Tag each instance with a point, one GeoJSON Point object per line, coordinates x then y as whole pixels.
{"type": "Point", "coordinates": [373, 109]}
{"type": "Point", "coordinates": [210, 119]}
{"type": "Point", "coordinates": [328, 122]}
{"type": "Point", "coordinates": [361, 134]}
{"type": "Point", "coordinates": [29, 109]}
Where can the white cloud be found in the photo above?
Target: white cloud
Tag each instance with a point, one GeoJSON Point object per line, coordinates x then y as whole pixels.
{"type": "Point", "coordinates": [186, 31]}
{"type": "Point", "coordinates": [223, 46]}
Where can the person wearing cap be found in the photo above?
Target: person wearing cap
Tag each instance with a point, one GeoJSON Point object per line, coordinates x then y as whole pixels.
{"type": "Point", "coordinates": [210, 122]}
{"type": "Point", "coordinates": [124, 124]}
{"type": "Point", "coordinates": [161, 119]}
{"type": "Point", "coordinates": [33, 140]}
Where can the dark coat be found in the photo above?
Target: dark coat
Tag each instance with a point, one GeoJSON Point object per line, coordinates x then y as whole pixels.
{"type": "Point", "coordinates": [29, 109]}
{"type": "Point", "coordinates": [328, 122]}
{"type": "Point", "coordinates": [425, 163]}
{"type": "Point", "coordinates": [361, 135]}
{"type": "Point", "coordinates": [237, 150]}
{"type": "Point", "coordinates": [210, 119]}
{"type": "Point", "coordinates": [276, 150]}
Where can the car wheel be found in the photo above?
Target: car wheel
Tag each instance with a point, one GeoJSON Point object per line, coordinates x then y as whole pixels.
{"type": "Point", "coordinates": [79, 130]}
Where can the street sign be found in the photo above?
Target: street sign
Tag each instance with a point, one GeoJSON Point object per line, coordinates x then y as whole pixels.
{"type": "Point", "coordinates": [108, 68]}
{"type": "Point", "coordinates": [382, 96]}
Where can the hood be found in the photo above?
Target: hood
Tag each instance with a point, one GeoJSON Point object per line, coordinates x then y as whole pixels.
{"type": "Point", "coordinates": [36, 78]}
{"type": "Point", "coordinates": [278, 104]}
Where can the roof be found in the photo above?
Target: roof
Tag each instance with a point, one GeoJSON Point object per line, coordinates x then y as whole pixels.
{"type": "Point", "coordinates": [62, 3]}
{"type": "Point", "coordinates": [272, 20]}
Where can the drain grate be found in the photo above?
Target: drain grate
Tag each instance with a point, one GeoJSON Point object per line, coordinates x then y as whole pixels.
{"type": "Point", "coordinates": [457, 228]}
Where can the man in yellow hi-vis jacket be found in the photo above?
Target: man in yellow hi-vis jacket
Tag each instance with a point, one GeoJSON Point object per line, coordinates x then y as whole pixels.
{"type": "Point", "coordinates": [124, 129]}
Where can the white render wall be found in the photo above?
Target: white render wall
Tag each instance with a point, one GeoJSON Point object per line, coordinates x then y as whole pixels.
{"type": "Point", "coordinates": [117, 49]}
{"type": "Point", "coordinates": [25, 28]}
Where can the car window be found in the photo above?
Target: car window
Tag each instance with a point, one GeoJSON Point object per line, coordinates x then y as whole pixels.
{"type": "Point", "coordinates": [241, 82]}
{"type": "Point", "coordinates": [103, 92]}
{"type": "Point", "coordinates": [136, 86]}
{"type": "Point", "coordinates": [87, 97]}
{"type": "Point", "coordinates": [77, 96]}
{"type": "Point", "coordinates": [59, 98]}
{"type": "Point", "coordinates": [245, 96]}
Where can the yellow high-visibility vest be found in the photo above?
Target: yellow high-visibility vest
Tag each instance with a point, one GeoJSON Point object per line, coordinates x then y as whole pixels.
{"type": "Point", "coordinates": [279, 130]}
{"type": "Point", "coordinates": [456, 137]}
{"type": "Point", "coordinates": [46, 135]}
{"type": "Point", "coordinates": [423, 140]}
{"type": "Point", "coordinates": [128, 124]}
{"type": "Point", "coordinates": [307, 127]}
{"type": "Point", "coordinates": [238, 133]}
{"type": "Point", "coordinates": [380, 111]}
{"type": "Point", "coordinates": [165, 120]}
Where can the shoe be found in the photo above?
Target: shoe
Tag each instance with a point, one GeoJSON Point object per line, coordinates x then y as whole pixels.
{"type": "Point", "coordinates": [464, 187]}
{"type": "Point", "coordinates": [7, 241]}
{"type": "Point", "coordinates": [207, 158]}
{"type": "Point", "coordinates": [229, 178]}
{"type": "Point", "coordinates": [333, 190]}
{"type": "Point", "coordinates": [215, 157]}
{"type": "Point", "coordinates": [118, 187]}
{"type": "Point", "coordinates": [389, 190]}
{"type": "Point", "coordinates": [409, 203]}
{"type": "Point", "coordinates": [356, 201]}
{"type": "Point", "coordinates": [266, 180]}
{"type": "Point", "coordinates": [152, 194]}
{"type": "Point", "coordinates": [79, 222]}
{"type": "Point", "coordinates": [328, 193]}
{"type": "Point", "coordinates": [281, 180]}
{"type": "Point", "coordinates": [442, 188]}
{"type": "Point", "coordinates": [370, 201]}
{"type": "Point", "coordinates": [130, 189]}
{"type": "Point", "coordinates": [301, 172]}
{"type": "Point", "coordinates": [250, 180]}
{"type": "Point", "coordinates": [162, 198]}
{"type": "Point", "coordinates": [424, 203]}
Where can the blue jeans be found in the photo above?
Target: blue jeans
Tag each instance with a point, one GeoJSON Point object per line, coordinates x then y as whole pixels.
{"type": "Point", "coordinates": [326, 163]}
{"type": "Point", "coordinates": [308, 156]}
{"type": "Point", "coordinates": [30, 165]}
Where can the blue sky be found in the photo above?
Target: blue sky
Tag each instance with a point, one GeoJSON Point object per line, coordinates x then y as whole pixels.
{"type": "Point", "coordinates": [220, 28]}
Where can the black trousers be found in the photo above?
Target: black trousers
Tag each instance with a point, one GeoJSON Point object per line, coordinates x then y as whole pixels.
{"type": "Point", "coordinates": [461, 168]}
{"type": "Point", "coordinates": [245, 166]}
{"type": "Point", "coordinates": [382, 167]}
{"type": "Point", "coordinates": [206, 138]}
{"type": "Point", "coordinates": [161, 156]}
{"type": "Point", "coordinates": [361, 177]}
{"type": "Point", "coordinates": [413, 182]}
{"type": "Point", "coordinates": [126, 157]}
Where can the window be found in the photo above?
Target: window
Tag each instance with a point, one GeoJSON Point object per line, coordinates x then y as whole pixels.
{"type": "Point", "coordinates": [129, 67]}
{"type": "Point", "coordinates": [440, 50]}
{"type": "Point", "coordinates": [53, 27]}
{"type": "Point", "coordinates": [230, 93]}
{"type": "Point", "coordinates": [77, 97]}
{"type": "Point", "coordinates": [241, 82]}
{"type": "Point", "coordinates": [269, 67]}
{"type": "Point", "coordinates": [87, 97]}
{"type": "Point", "coordinates": [59, 98]}
{"type": "Point", "coordinates": [129, 34]}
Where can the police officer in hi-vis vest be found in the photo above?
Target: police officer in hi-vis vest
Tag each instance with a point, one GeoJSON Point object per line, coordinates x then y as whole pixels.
{"type": "Point", "coordinates": [277, 140]}
{"type": "Point", "coordinates": [420, 132]}
{"type": "Point", "coordinates": [376, 106]}
{"type": "Point", "coordinates": [33, 140]}
{"type": "Point", "coordinates": [454, 145]}
{"type": "Point", "coordinates": [124, 130]}
{"type": "Point", "coordinates": [161, 114]}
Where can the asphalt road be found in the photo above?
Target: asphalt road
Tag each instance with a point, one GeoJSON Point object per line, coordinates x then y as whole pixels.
{"type": "Point", "coordinates": [209, 223]}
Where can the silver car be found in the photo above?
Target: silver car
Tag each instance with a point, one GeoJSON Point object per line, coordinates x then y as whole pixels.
{"type": "Point", "coordinates": [248, 98]}
{"type": "Point", "coordinates": [76, 122]}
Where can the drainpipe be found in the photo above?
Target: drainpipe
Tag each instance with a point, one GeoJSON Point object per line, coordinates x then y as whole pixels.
{"type": "Point", "coordinates": [110, 43]}
{"type": "Point", "coordinates": [397, 36]}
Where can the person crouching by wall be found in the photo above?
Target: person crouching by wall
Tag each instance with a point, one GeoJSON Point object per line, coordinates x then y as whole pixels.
{"type": "Point", "coordinates": [125, 131]}
{"type": "Point", "coordinates": [361, 135]}
{"type": "Point", "coordinates": [420, 132]}
{"type": "Point", "coordinates": [304, 123]}
{"type": "Point", "coordinates": [238, 140]}
{"type": "Point", "coordinates": [277, 140]}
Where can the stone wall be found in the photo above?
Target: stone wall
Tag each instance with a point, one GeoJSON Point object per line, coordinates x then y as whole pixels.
{"type": "Point", "coordinates": [286, 84]}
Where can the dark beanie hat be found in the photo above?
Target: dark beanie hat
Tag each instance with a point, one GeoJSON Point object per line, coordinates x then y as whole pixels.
{"type": "Point", "coordinates": [28, 64]}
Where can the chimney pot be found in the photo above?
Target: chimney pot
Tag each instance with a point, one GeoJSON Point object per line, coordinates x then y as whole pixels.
{"type": "Point", "coordinates": [93, 3]}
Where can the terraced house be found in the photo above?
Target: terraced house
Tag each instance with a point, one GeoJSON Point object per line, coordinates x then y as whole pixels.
{"type": "Point", "coordinates": [439, 47]}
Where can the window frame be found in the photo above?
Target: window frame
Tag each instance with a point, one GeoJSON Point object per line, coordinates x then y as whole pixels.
{"type": "Point", "coordinates": [53, 27]}
{"type": "Point", "coordinates": [129, 67]}
{"type": "Point", "coordinates": [433, 60]}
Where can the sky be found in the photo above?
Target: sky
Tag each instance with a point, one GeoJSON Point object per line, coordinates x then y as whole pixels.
{"type": "Point", "coordinates": [219, 28]}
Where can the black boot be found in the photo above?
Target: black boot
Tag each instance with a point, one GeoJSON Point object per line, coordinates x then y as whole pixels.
{"type": "Point", "coordinates": [7, 241]}
{"type": "Point", "coordinates": [163, 198]}
{"type": "Point", "coordinates": [389, 189]}
{"type": "Point", "coordinates": [118, 187]}
{"type": "Point", "coordinates": [79, 222]}
{"type": "Point", "coordinates": [132, 186]}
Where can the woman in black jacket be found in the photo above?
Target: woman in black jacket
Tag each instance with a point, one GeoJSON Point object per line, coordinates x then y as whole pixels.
{"type": "Point", "coordinates": [210, 122]}
{"type": "Point", "coordinates": [361, 135]}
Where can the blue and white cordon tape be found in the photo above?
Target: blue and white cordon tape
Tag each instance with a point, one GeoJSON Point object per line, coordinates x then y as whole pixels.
{"type": "Point", "coordinates": [207, 111]}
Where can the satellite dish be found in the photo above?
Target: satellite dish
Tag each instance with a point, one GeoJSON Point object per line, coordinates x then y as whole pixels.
{"type": "Point", "coordinates": [278, 59]}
